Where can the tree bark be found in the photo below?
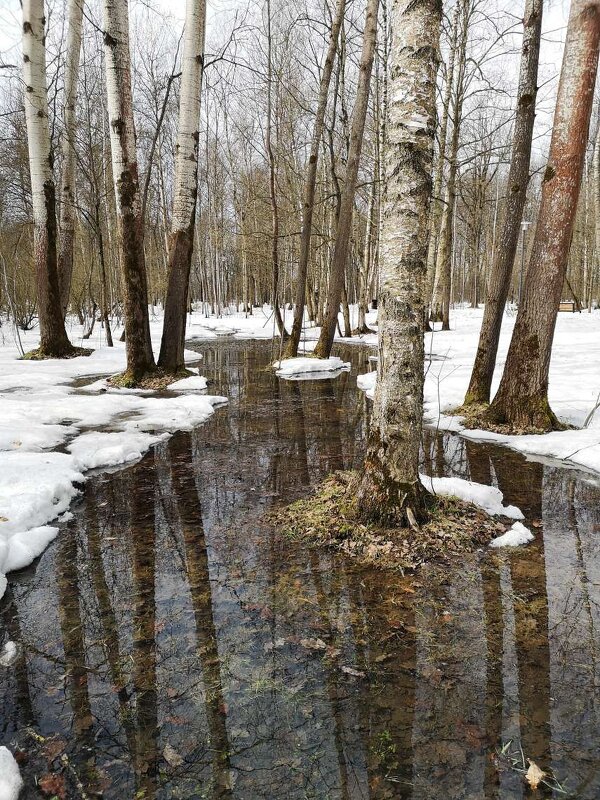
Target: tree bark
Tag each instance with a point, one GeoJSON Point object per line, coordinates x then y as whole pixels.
{"type": "Point", "coordinates": [522, 399]}
{"type": "Point", "coordinates": [436, 200]}
{"type": "Point", "coordinates": [53, 337]}
{"type": "Point", "coordinates": [596, 201]}
{"type": "Point", "coordinates": [390, 489]}
{"type": "Point", "coordinates": [181, 243]}
{"type": "Point", "coordinates": [67, 187]}
{"type": "Point", "coordinates": [518, 179]}
{"type": "Point", "coordinates": [311, 180]}
{"type": "Point", "coordinates": [442, 286]}
{"type": "Point", "coordinates": [140, 359]}
{"type": "Point", "coordinates": [364, 275]}
{"type": "Point", "coordinates": [272, 182]}
{"type": "Point", "coordinates": [340, 252]}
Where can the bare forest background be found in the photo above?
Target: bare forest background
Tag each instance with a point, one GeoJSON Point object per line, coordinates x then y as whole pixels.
{"type": "Point", "coordinates": [260, 87]}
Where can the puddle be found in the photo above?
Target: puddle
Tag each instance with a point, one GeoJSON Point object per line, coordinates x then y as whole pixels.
{"type": "Point", "coordinates": [173, 647]}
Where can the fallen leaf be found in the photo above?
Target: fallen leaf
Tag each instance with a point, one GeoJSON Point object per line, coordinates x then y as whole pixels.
{"type": "Point", "coordinates": [171, 756]}
{"type": "Point", "coordinates": [355, 673]}
{"type": "Point", "coordinates": [313, 644]}
{"type": "Point", "coordinates": [53, 748]}
{"type": "Point", "coordinates": [53, 785]}
{"type": "Point", "coordinates": [534, 774]}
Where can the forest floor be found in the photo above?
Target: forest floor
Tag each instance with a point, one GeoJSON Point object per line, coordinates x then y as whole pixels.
{"type": "Point", "coordinates": [61, 418]}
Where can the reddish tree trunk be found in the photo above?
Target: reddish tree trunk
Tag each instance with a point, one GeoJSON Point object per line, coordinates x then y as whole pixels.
{"type": "Point", "coordinates": [342, 239]}
{"type": "Point", "coordinates": [522, 399]}
{"type": "Point", "coordinates": [518, 178]}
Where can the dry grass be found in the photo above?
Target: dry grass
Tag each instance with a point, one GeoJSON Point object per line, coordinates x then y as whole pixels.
{"type": "Point", "coordinates": [157, 380]}
{"type": "Point", "coordinates": [39, 355]}
{"type": "Point", "coordinates": [329, 519]}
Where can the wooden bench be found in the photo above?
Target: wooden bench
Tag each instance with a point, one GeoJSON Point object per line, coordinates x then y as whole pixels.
{"type": "Point", "coordinates": [567, 305]}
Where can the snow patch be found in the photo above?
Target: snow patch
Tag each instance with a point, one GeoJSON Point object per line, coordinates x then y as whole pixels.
{"type": "Point", "coordinates": [514, 537]}
{"type": "Point", "coordinates": [40, 410]}
{"type": "Point", "coordinates": [314, 367]}
{"type": "Point", "coordinates": [11, 782]}
{"type": "Point", "coordinates": [191, 384]}
{"type": "Point", "coordinates": [367, 383]}
{"type": "Point", "coordinates": [488, 498]}
{"type": "Point", "coordinates": [106, 449]}
{"type": "Point", "coordinates": [8, 654]}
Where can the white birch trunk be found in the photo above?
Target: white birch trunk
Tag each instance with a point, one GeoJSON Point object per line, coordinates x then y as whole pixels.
{"type": "Point", "coordinates": [186, 150]}
{"type": "Point", "coordinates": [67, 188]}
{"type": "Point", "coordinates": [53, 338]}
{"type": "Point", "coordinates": [390, 489]}
{"type": "Point", "coordinates": [181, 242]}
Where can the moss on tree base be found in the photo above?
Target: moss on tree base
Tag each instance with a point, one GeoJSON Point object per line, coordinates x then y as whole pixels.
{"type": "Point", "coordinates": [486, 417]}
{"type": "Point", "coordinates": [157, 379]}
{"type": "Point", "coordinates": [40, 354]}
{"type": "Point", "coordinates": [329, 518]}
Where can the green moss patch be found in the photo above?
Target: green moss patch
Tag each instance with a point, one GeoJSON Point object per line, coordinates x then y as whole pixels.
{"type": "Point", "coordinates": [40, 355]}
{"type": "Point", "coordinates": [157, 380]}
{"type": "Point", "coordinates": [477, 416]}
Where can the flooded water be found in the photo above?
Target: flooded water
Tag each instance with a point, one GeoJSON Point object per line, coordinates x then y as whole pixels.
{"type": "Point", "coordinates": [171, 645]}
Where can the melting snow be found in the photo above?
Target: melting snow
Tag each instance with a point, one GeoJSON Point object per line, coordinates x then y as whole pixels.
{"type": "Point", "coordinates": [10, 777]}
{"type": "Point", "coordinates": [517, 535]}
{"type": "Point", "coordinates": [486, 497]}
{"type": "Point", "coordinates": [41, 410]}
{"type": "Point", "coordinates": [315, 368]}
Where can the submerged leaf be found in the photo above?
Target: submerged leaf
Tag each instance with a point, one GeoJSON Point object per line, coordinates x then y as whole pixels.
{"type": "Point", "coordinates": [171, 756]}
{"type": "Point", "coordinates": [534, 774]}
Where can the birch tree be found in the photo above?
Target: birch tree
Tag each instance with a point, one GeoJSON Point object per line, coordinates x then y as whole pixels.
{"type": "Point", "coordinates": [140, 359]}
{"type": "Point", "coordinates": [442, 285]}
{"type": "Point", "coordinates": [344, 225]}
{"type": "Point", "coordinates": [438, 180]}
{"type": "Point", "coordinates": [275, 224]}
{"type": "Point", "coordinates": [311, 180]}
{"type": "Point", "coordinates": [181, 243]}
{"type": "Point", "coordinates": [53, 337]}
{"type": "Point", "coordinates": [518, 179]}
{"type": "Point", "coordinates": [522, 398]}
{"type": "Point", "coordinates": [67, 188]}
{"type": "Point", "coordinates": [390, 489]}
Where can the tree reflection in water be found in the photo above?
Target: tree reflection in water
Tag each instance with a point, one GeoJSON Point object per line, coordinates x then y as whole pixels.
{"type": "Point", "coordinates": [178, 647]}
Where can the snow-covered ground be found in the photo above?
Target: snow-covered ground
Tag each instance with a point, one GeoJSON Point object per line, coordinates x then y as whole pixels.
{"type": "Point", "coordinates": [574, 388]}
{"type": "Point", "coordinates": [94, 426]}
{"type": "Point", "coordinates": [489, 498]}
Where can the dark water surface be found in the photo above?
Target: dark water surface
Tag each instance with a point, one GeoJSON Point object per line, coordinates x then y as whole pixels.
{"type": "Point", "coordinates": [171, 646]}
